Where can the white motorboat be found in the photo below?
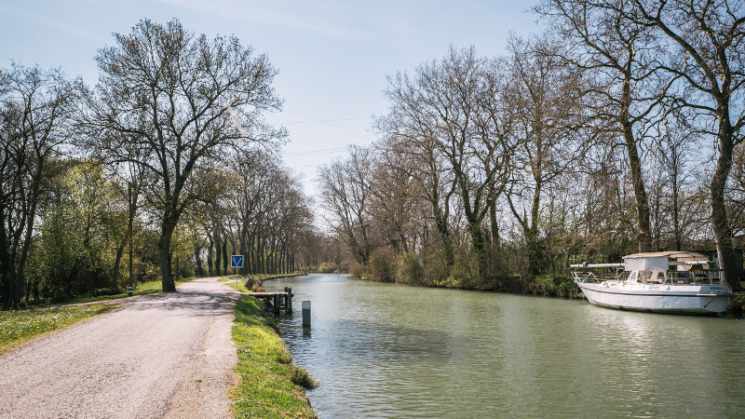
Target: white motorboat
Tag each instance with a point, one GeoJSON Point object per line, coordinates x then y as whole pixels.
{"type": "Point", "coordinates": [672, 282]}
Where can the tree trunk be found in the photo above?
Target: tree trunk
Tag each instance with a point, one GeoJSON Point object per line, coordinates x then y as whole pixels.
{"type": "Point", "coordinates": [676, 210]}
{"type": "Point", "coordinates": [210, 268]}
{"type": "Point", "coordinates": [164, 246]}
{"type": "Point", "coordinates": [132, 197]}
{"type": "Point", "coordinates": [447, 243]}
{"type": "Point", "coordinates": [242, 251]}
{"type": "Point", "coordinates": [5, 266]}
{"type": "Point", "coordinates": [635, 166]}
{"type": "Point", "coordinates": [225, 257]}
{"type": "Point", "coordinates": [198, 259]}
{"type": "Point", "coordinates": [218, 256]}
{"type": "Point", "coordinates": [719, 222]}
{"type": "Point", "coordinates": [117, 263]}
{"type": "Point", "coordinates": [536, 256]}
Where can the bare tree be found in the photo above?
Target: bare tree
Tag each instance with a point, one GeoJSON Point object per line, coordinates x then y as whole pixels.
{"type": "Point", "coordinates": [394, 199]}
{"type": "Point", "coordinates": [345, 191]}
{"type": "Point", "coordinates": [706, 52]}
{"type": "Point", "coordinates": [543, 94]}
{"type": "Point", "coordinates": [419, 161]}
{"type": "Point", "coordinates": [452, 115]}
{"type": "Point", "coordinates": [184, 101]}
{"type": "Point", "coordinates": [677, 170]}
{"type": "Point", "coordinates": [619, 54]}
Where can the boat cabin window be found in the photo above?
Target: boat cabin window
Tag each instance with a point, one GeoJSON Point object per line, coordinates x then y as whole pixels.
{"type": "Point", "coordinates": [632, 277]}
{"type": "Point", "coordinates": [648, 276]}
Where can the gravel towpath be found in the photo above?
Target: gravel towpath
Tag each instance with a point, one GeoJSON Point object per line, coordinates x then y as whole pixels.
{"type": "Point", "coordinates": [165, 355]}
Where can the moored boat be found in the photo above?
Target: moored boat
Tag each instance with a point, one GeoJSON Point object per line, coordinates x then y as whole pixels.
{"type": "Point", "coordinates": [672, 282]}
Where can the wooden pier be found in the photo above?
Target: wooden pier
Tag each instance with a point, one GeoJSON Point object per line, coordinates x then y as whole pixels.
{"type": "Point", "coordinates": [277, 301]}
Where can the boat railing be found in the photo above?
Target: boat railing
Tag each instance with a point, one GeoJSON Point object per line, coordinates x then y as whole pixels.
{"type": "Point", "coordinates": [589, 276]}
{"type": "Point", "coordinates": [704, 276]}
{"type": "Point", "coordinates": [596, 272]}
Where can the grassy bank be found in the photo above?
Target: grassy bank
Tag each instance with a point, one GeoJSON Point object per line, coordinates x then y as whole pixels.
{"type": "Point", "coordinates": [16, 328]}
{"type": "Point", "coordinates": [142, 288]}
{"type": "Point", "coordinates": [270, 386]}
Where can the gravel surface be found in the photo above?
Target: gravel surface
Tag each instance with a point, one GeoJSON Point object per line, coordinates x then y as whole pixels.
{"type": "Point", "coordinates": [164, 355]}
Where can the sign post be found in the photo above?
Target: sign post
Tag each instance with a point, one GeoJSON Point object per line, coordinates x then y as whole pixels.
{"type": "Point", "coordinates": [236, 262]}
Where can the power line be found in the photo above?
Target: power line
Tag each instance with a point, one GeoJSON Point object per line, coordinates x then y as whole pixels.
{"type": "Point", "coordinates": [325, 120]}
{"type": "Point", "coordinates": [315, 152]}
{"type": "Point", "coordinates": [304, 167]}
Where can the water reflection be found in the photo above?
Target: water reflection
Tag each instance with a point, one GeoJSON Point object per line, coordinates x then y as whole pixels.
{"type": "Point", "coordinates": [394, 351]}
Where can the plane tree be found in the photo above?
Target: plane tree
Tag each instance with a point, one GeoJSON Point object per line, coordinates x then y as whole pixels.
{"type": "Point", "coordinates": [186, 102]}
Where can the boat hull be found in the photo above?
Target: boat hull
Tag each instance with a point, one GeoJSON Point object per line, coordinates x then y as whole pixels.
{"type": "Point", "coordinates": [695, 298]}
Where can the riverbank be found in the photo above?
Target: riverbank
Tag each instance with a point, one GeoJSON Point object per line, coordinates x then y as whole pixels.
{"type": "Point", "coordinates": [270, 386]}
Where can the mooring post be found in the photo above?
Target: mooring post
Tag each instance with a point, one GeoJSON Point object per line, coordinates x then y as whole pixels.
{"type": "Point", "coordinates": [288, 307]}
{"type": "Point", "coordinates": [306, 314]}
{"type": "Point", "coordinates": [277, 300]}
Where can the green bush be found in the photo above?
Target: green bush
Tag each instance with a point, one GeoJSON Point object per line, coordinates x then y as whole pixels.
{"type": "Point", "coordinates": [434, 266]}
{"type": "Point", "coordinates": [382, 265]}
{"type": "Point", "coordinates": [327, 268]}
{"type": "Point", "coordinates": [465, 272]}
{"type": "Point", "coordinates": [409, 269]}
{"type": "Point", "coordinates": [359, 271]}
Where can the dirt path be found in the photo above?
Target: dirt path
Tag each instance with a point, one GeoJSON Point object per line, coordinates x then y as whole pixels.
{"type": "Point", "coordinates": [164, 355]}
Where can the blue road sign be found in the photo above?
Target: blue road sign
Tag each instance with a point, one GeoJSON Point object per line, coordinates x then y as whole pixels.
{"type": "Point", "coordinates": [236, 261]}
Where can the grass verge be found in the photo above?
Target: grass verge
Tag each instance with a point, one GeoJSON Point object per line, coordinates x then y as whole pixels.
{"type": "Point", "coordinates": [16, 328]}
{"type": "Point", "coordinates": [238, 286]}
{"type": "Point", "coordinates": [142, 288]}
{"type": "Point", "coordinates": [266, 389]}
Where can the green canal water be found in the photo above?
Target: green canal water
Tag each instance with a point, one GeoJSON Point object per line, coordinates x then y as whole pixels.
{"type": "Point", "coordinates": [383, 350]}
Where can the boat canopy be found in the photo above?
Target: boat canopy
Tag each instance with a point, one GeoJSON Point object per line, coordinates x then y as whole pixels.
{"type": "Point", "coordinates": [661, 261]}
{"type": "Point", "coordinates": [656, 263]}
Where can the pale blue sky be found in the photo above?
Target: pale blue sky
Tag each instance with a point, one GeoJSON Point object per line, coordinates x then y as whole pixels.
{"type": "Point", "coordinates": [333, 55]}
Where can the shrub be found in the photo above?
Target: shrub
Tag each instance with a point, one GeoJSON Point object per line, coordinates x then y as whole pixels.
{"type": "Point", "coordinates": [327, 267]}
{"type": "Point", "coordinates": [434, 266]}
{"type": "Point", "coordinates": [301, 377]}
{"type": "Point", "coordinates": [409, 269]}
{"type": "Point", "coordinates": [465, 272]}
{"type": "Point", "coordinates": [359, 271]}
{"type": "Point", "coordinates": [382, 265]}
{"type": "Point", "coordinates": [105, 291]}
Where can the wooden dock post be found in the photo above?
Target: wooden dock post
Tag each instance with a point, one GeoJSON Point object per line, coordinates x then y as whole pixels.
{"type": "Point", "coordinates": [306, 314]}
{"type": "Point", "coordinates": [277, 303]}
{"type": "Point", "coordinates": [288, 300]}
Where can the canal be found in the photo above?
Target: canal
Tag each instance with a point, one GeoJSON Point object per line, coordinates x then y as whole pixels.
{"type": "Point", "coordinates": [384, 350]}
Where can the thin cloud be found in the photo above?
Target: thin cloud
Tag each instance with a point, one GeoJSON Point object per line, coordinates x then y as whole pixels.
{"type": "Point", "coordinates": [334, 19]}
{"type": "Point", "coordinates": [37, 19]}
